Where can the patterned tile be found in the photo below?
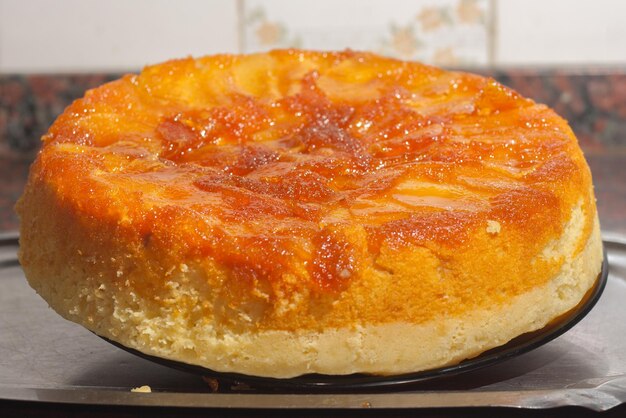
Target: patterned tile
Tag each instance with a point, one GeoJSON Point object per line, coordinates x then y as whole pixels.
{"type": "Point", "coordinates": [445, 32]}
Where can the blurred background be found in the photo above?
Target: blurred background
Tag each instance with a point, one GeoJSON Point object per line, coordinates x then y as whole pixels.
{"type": "Point", "coordinates": [121, 35]}
{"type": "Point", "coordinates": [570, 55]}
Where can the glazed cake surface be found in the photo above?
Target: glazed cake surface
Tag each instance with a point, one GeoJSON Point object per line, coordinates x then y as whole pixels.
{"type": "Point", "coordinates": [297, 212]}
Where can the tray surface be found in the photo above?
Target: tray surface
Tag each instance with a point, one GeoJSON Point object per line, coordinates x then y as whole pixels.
{"type": "Point", "coordinates": [45, 358]}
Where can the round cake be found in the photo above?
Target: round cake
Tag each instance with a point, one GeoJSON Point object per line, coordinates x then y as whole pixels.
{"type": "Point", "coordinates": [298, 212]}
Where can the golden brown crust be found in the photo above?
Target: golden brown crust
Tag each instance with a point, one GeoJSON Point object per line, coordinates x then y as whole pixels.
{"type": "Point", "coordinates": [300, 193]}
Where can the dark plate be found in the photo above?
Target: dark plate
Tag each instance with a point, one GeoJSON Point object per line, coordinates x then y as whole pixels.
{"type": "Point", "coordinates": [360, 382]}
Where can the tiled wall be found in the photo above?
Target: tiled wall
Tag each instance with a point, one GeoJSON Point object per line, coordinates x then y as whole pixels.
{"type": "Point", "coordinates": [97, 35]}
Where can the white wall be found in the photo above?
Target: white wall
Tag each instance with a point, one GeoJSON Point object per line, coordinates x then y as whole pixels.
{"type": "Point", "coordinates": [84, 35]}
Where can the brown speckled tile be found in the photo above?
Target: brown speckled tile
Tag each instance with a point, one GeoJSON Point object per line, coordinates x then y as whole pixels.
{"type": "Point", "coordinates": [609, 178]}
{"type": "Point", "coordinates": [593, 101]}
{"type": "Point", "coordinates": [29, 105]}
{"type": "Point", "coordinates": [13, 173]}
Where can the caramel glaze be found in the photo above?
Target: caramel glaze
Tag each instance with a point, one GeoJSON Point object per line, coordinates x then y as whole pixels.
{"type": "Point", "coordinates": [281, 166]}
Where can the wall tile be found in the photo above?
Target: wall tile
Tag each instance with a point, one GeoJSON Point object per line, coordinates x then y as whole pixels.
{"type": "Point", "coordinates": [561, 32]}
{"type": "Point", "coordinates": [84, 35]}
{"type": "Point", "coordinates": [446, 32]}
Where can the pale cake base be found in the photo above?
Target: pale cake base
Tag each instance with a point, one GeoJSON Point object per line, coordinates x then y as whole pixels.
{"type": "Point", "coordinates": [384, 348]}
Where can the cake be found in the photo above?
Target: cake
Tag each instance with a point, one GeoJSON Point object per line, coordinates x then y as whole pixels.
{"type": "Point", "coordinates": [295, 212]}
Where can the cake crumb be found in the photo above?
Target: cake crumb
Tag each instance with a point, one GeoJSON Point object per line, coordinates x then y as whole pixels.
{"type": "Point", "coordinates": [214, 384]}
{"type": "Point", "coordinates": [142, 389]}
{"type": "Point", "coordinates": [493, 227]}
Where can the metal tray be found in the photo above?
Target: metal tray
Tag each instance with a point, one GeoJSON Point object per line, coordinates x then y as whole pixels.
{"type": "Point", "coordinates": [45, 358]}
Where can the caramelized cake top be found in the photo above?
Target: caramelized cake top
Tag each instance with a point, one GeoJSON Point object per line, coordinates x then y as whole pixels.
{"type": "Point", "coordinates": [297, 165]}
